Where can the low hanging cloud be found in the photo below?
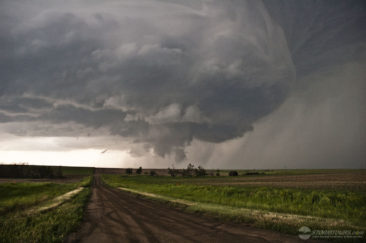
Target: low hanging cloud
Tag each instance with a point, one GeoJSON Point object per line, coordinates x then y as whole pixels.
{"type": "Point", "coordinates": [161, 74]}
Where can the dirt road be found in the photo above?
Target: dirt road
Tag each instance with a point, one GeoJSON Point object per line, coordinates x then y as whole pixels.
{"type": "Point", "coordinates": [117, 216]}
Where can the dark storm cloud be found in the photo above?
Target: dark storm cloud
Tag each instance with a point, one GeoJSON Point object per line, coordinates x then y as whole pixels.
{"type": "Point", "coordinates": [18, 104]}
{"type": "Point", "coordinates": [162, 72]}
{"type": "Point", "coordinates": [321, 34]}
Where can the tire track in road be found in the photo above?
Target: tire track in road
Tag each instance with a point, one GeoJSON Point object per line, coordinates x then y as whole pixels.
{"type": "Point", "coordinates": [113, 215]}
{"type": "Point", "coordinates": [126, 217]}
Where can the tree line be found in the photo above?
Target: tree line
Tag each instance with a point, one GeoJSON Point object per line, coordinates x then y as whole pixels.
{"type": "Point", "coordinates": [30, 171]}
{"type": "Point", "coordinates": [189, 171]}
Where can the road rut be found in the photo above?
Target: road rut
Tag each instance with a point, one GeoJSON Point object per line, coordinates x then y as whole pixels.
{"type": "Point", "coordinates": [116, 216]}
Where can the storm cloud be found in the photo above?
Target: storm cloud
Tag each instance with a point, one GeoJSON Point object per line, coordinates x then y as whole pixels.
{"type": "Point", "coordinates": [166, 75]}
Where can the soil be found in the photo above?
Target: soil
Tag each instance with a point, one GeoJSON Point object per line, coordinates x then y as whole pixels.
{"type": "Point", "coordinates": [117, 216]}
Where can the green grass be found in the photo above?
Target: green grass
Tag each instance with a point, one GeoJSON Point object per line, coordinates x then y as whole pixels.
{"type": "Point", "coordinates": [51, 226]}
{"type": "Point", "coordinates": [86, 181]}
{"type": "Point", "coordinates": [21, 195]}
{"type": "Point", "coordinates": [345, 205]}
{"type": "Point", "coordinates": [18, 224]}
{"type": "Point", "coordinates": [17, 196]}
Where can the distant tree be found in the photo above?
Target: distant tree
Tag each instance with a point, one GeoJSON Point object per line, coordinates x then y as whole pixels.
{"type": "Point", "coordinates": [139, 170]}
{"type": "Point", "coordinates": [188, 172]}
{"type": "Point", "coordinates": [173, 172]}
{"type": "Point", "coordinates": [153, 173]}
{"type": "Point", "coordinates": [233, 173]}
{"type": "Point", "coordinates": [218, 173]}
{"type": "Point", "coordinates": [129, 171]}
{"type": "Point", "coordinates": [200, 171]}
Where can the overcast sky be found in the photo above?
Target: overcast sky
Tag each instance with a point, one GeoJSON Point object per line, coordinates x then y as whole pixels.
{"type": "Point", "coordinates": [220, 83]}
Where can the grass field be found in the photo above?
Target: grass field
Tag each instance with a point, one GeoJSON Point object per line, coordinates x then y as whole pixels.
{"type": "Point", "coordinates": [18, 223]}
{"type": "Point", "coordinates": [338, 203]}
{"type": "Point", "coordinates": [50, 226]}
{"type": "Point", "coordinates": [18, 196]}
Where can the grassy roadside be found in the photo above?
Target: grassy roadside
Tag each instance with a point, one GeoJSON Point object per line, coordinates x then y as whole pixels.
{"type": "Point", "coordinates": [22, 195]}
{"type": "Point", "coordinates": [19, 196]}
{"type": "Point", "coordinates": [18, 225]}
{"type": "Point", "coordinates": [282, 209]}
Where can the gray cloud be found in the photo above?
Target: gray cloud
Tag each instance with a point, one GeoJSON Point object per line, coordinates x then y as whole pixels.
{"type": "Point", "coordinates": [321, 126]}
{"type": "Point", "coordinates": [165, 73]}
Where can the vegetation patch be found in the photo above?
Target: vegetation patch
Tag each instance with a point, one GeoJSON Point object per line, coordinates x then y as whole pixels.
{"type": "Point", "coordinates": [56, 201]}
{"type": "Point", "coordinates": [22, 195]}
{"type": "Point", "coordinates": [50, 226]}
{"type": "Point", "coordinates": [18, 196]}
{"type": "Point", "coordinates": [41, 212]}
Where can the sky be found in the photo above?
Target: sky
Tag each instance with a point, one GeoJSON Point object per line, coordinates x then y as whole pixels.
{"type": "Point", "coordinates": [158, 83]}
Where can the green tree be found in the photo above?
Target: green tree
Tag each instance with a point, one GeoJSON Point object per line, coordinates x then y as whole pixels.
{"type": "Point", "coordinates": [200, 171]}
{"type": "Point", "coordinates": [173, 172]}
{"type": "Point", "coordinates": [188, 172]}
{"type": "Point", "coordinates": [128, 171]}
{"type": "Point", "coordinates": [139, 170]}
{"type": "Point", "coordinates": [233, 173]}
{"type": "Point", "coordinates": [218, 173]}
{"type": "Point", "coordinates": [153, 173]}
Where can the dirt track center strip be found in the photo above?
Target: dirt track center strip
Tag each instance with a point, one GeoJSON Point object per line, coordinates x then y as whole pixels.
{"type": "Point", "coordinates": [55, 202]}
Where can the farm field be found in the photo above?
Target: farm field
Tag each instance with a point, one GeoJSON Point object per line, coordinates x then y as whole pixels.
{"type": "Point", "coordinates": [310, 178]}
{"type": "Point", "coordinates": [257, 206]}
{"type": "Point", "coordinates": [43, 209]}
{"type": "Point", "coordinates": [282, 200]}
